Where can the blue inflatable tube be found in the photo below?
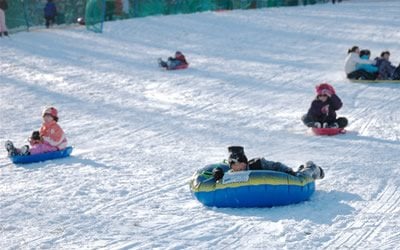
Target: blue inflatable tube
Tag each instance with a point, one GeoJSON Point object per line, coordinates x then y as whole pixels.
{"type": "Point", "coordinates": [24, 159]}
{"type": "Point", "coordinates": [254, 188]}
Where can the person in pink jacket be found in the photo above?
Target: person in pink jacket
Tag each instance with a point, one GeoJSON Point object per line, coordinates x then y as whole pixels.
{"type": "Point", "coordinates": [49, 138]}
{"type": "Point", "coordinates": [3, 27]}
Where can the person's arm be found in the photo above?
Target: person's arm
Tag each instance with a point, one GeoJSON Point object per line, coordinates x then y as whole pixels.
{"type": "Point", "coordinates": [55, 137]}
{"type": "Point", "coordinates": [315, 109]}
{"type": "Point", "coordinates": [336, 103]}
{"type": "Point", "coordinates": [276, 166]}
{"type": "Point", "coordinates": [357, 59]}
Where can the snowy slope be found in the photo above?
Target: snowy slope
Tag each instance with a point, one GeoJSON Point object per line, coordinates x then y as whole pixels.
{"type": "Point", "coordinates": [140, 132]}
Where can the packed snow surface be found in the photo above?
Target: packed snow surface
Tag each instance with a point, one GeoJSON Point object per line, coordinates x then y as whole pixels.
{"type": "Point", "coordinates": [140, 132]}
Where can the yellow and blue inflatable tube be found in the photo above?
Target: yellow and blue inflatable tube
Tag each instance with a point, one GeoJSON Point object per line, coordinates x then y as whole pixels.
{"type": "Point", "coordinates": [253, 188]}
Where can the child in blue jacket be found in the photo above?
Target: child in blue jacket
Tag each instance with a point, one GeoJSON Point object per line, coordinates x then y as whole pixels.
{"type": "Point", "coordinates": [365, 55]}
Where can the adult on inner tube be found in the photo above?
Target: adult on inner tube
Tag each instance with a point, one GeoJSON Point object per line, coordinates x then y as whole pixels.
{"type": "Point", "coordinates": [238, 162]}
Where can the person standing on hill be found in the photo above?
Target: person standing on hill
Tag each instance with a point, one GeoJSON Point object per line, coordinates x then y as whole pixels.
{"type": "Point", "coordinates": [50, 13]}
{"type": "Point", "coordinates": [3, 27]}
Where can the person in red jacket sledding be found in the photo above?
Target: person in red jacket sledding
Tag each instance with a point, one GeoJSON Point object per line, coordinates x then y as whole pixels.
{"type": "Point", "coordinates": [322, 113]}
{"type": "Point", "coordinates": [177, 62]}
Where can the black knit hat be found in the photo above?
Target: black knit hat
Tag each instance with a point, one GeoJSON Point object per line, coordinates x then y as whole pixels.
{"type": "Point", "coordinates": [236, 155]}
{"type": "Point", "coordinates": [365, 52]}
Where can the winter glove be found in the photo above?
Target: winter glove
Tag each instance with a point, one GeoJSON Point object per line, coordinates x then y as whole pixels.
{"type": "Point", "coordinates": [326, 92]}
{"type": "Point", "coordinates": [218, 173]}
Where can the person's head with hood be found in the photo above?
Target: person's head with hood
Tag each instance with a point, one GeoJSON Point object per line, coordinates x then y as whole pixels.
{"type": "Point", "coordinates": [365, 54]}
{"type": "Point", "coordinates": [237, 159]}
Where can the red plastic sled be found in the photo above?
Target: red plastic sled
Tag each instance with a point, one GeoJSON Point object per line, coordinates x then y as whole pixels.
{"type": "Point", "coordinates": [328, 131]}
{"type": "Point", "coordinates": [182, 66]}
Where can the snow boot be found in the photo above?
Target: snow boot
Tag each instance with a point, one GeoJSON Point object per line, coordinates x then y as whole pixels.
{"type": "Point", "coordinates": [10, 148]}
{"type": "Point", "coordinates": [317, 125]}
{"type": "Point", "coordinates": [321, 173]}
{"type": "Point", "coordinates": [301, 167]}
{"type": "Point", "coordinates": [334, 125]}
{"type": "Point", "coordinates": [162, 64]}
{"type": "Point", "coordinates": [24, 150]}
{"type": "Point", "coordinates": [311, 170]}
{"type": "Point", "coordinates": [342, 122]}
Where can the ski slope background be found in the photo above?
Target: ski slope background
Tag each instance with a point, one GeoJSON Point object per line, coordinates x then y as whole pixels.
{"type": "Point", "coordinates": [140, 132]}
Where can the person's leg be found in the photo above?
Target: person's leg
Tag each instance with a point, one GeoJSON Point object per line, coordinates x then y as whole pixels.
{"type": "Point", "coordinates": [361, 75]}
{"type": "Point", "coordinates": [3, 27]}
{"type": "Point", "coordinates": [311, 170]}
{"type": "Point", "coordinates": [13, 151]}
{"type": "Point", "coordinates": [47, 22]}
{"type": "Point", "coordinates": [396, 73]}
{"type": "Point", "coordinates": [162, 63]}
{"type": "Point", "coordinates": [53, 20]}
{"type": "Point", "coordinates": [10, 148]}
{"type": "Point", "coordinates": [354, 75]}
{"type": "Point", "coordinates": [42, 148]}
{"type": "Point", "coordinates": [368, 76]}
{"type": "Point", "coordinates": [309, 122]}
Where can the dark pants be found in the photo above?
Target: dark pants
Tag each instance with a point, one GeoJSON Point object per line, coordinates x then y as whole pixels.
{"type": "Point", "coordinates": [396, 73]}
{"type": "Point", "coordinates": [310, 122]}
{"type": "Point", "coordinates": [361, 75]}
{"type": "Point", "coordinates": [50, 20]}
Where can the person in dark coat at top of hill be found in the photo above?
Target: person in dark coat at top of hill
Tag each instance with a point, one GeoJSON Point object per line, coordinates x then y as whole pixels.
{"type": "Point", "coordinates": [50, 13]}
{"type": "Point", "coordinates": [322, 113]}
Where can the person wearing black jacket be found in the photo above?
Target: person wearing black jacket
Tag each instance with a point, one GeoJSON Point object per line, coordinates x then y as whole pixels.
{"type": "Point", "coordinates": [238, 162]}
{"type": "Point", "coordinates": [3, 27]}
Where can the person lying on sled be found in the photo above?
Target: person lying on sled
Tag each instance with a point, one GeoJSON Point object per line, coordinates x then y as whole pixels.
{"type": "Point", "coordinates": [49, 138]}
{"type": "Point", "coordinates": [238, 162]}
{"type": "Point", "coordinates": [177, 62]}
{"type": "Point", "coordinates": [322, 113]}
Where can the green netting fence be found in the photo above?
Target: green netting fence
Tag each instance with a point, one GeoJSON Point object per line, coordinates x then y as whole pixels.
{"type": "Point", "coordinates": [23, 14]}
{"type": "Point", "coordinates": [98, 11]}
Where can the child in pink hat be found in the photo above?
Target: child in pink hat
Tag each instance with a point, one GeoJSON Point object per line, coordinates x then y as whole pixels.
{"type": "Point", "coordinates": [49, 138]}
{"type": "Point", "coordinates": [322, 112]}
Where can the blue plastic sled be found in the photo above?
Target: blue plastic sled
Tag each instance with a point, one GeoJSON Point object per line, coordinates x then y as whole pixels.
{"type": "Point", "coordinates": [24, 159]}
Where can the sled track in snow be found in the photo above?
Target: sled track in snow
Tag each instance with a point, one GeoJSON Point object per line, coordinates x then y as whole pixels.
{"type": "Point", "coordinates": [367, 228]}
